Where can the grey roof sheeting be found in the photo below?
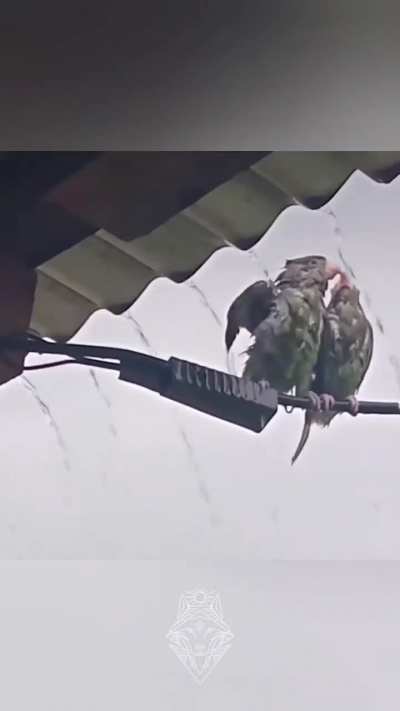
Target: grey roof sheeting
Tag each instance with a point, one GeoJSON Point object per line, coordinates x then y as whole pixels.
{"type": "Point", "coordinates": [105, 272]}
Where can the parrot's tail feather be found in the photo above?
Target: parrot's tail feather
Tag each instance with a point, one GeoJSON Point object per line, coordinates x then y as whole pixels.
{"type": "Point", "coordinates": [304, 436]}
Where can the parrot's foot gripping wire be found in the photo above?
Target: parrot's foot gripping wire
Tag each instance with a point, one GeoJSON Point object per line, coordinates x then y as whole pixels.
{"type": "Point", "coordinates": [327, 402]}
{"type": "Point", "coordinates": [354, 406]}
{"type": "Point", "coordinates": [315, 403]}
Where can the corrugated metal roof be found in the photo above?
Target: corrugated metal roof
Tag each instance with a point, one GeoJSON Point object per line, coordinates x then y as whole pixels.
{"type": "Point", "coordinates": [105, 271]}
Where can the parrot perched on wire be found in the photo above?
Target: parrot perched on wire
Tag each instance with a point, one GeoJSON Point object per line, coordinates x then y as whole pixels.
{"type": "Point", "coordinates": [344, 357]}
{"type": "Point", "coordinates": [285, 318]}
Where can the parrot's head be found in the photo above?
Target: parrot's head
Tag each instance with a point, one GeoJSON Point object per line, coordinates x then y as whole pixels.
{"type": "Point", "coordinates": [345, 291]}
{"type": "Point", "coordinates": [309, 271]}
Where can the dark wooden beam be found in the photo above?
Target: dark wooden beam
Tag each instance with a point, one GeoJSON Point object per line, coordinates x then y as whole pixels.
{"type": "Point", "coordinates": [131, 193]}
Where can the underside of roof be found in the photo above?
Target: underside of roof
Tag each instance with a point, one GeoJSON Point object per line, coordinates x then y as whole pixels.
{"type": "Point", "coordinates": [110, 268]}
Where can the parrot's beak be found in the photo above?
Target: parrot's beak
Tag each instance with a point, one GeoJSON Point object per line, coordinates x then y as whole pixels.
{"type": "Point", "coordinates": [332, 270]}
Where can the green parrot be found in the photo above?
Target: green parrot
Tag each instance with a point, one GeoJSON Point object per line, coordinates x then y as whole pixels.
{"type": "Point", "coordinates": [344, 357]}
{"type": "Point", "coordinates": [286, 320]}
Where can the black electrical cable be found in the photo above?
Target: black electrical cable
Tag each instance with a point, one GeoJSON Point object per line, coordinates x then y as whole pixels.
{"type": "Point", "coordinates": [53, 364]}
{"type": "Point", "coordinates": [155, 373]}
{"type": "Point", "coordinates": [93, 362]}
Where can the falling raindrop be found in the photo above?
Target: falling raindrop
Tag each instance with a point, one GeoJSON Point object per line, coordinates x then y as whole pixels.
{"type": "Point", "coordinates": [140, 331]}
{"type": "Point", "coordinates": [205, 301]}
{"type": "Point", "coordinates": [45, 409]}
{"type": "Point", "coordinates": [105, 399]}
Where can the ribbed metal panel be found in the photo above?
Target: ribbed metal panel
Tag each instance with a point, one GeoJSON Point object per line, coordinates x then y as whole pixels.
{"type": "Point", "coordinates": [104, 271]}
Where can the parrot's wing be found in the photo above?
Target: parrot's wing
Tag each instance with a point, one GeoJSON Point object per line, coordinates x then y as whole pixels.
{"type": "Point", "coordinates": [249, 309]}
{"type": "Point", "coordinates": [286, 342]}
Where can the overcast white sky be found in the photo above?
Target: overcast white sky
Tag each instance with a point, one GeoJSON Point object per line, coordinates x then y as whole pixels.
{"type": "Point", "coordinates": [117, 472]}
{"type": "Point", "coordinates": [91, 636]}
